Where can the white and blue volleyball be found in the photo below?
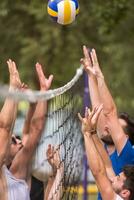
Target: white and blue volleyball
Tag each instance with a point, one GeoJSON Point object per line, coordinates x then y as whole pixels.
{"type": "Point", "coordinates": [63, 11]}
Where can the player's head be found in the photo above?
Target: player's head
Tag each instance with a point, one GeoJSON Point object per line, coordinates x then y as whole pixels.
{"type": "Point", "coordinates": [123, 184]}
{"type": "Point", "coordinates": [105, 132]}
{"type": "Point", "coordinates": [15, 146]}
{"type": "Point", "coordinates": [127, 124]}
{"type": "Point", "coordinates": [106, 137]}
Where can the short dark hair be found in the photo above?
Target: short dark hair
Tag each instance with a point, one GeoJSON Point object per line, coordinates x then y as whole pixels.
{"type": "Point", "coordinates": [129, 129]}
{"type": "Point", "coordinates": [129, 182]}
{"type": "Point", "coordinates": [18, 137]}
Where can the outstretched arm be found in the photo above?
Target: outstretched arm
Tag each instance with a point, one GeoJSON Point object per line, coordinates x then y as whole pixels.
{"type": "Point", "coordinates": [27, 123]}
{"type": "Point", "coordinates": [54, 188]}
{"type": "Point", "coordinates": [57, 187]}
{"type": "Point", "coordinates": [107, 162]}
{"type": "Point", "coordinates": [8, 112]}
{"type": "Point", "coordinates": [92, 81]}
{"type": "Point", "coordinates": [96, 163]}
{"type": "Point", "coordinates": [23, 158]}
{"type": "Point", "coordinates": [93, 87]}
{"type": "Point", "coordinates": [110, 111]}
{"type": "Point", "coordinates": [26, 127]}
{"type": "Point", "coordinates": [50, 157]}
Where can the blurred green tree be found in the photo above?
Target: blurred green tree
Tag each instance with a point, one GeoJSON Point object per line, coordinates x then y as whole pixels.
{"type": "Point", "coordinates": [28, 35]}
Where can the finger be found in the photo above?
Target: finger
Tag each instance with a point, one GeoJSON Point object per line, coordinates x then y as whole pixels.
{"type": "Point", "coordinates": [58, 154]}
{"type": "Point", "coordinates": [86, 64]}
{"type": "Point", "coordinates": [93, 111]}
{"type": "Point", "coordinates": [86, 53]}
{"type": "Point", "coordinates": [41, 76]}
{"type": "Point", "coordinates": [53, 150]}
{"type": "Point", "coordinates": [96, 108]}
{"type": "Point", "coordinates": [57, 147]}
{"type": "Point", "coordinates": [50, 79]}
{"type": "Point", "coordinates": [54, 153]}
{"type": "Point", "coordinates": [9, 63]}
{"type": "Point", "coordinates": [90, 113]}
{"type": "Point", "coordinates": [86, 112]}
{"type": "Point", "coordinates": [24, 86]}
{"type": "Point", "coordinates": [15, 69]}
{"type": "Point", "coordinates": [91, 69]}
{"type": "Point", "coordinates": [82, 61]}
{"type": "Point", "coordinates": [14, 66]}
{"type": "Point", "coordinates": [80, 117]}
{"type": "Point", "coordinates": [48, 149]}
{"type": "Point", "coordinates": [39, 70]}
{"type": "Point", "coordinates": [94, 57]}
{"type": "Point", "coordinates": [97, 113]}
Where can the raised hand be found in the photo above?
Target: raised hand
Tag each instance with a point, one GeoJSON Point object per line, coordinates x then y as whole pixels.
{"type": "Point", "coordinates": [90, 62]}
{"type": "Point", "coordinates": [85, 125]}
{"type": "Point", "coordinates": [89, 122]}
{"type": "Point", "coordinates": [87, 61]}
{"type": "Point", "coordinates": [53, 157]}
{"type": "Point", "coordinates": [15, 81]}
{"type": "Point", "coordinates": [96, 65]}
{"type": "Point", "coordinates": [45, 83]}
{"type": "Point", "coordinates": [24, 87]}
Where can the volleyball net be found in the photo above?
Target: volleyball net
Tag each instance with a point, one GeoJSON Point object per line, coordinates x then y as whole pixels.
{"type": "Point", "coordinates": [62, 130]}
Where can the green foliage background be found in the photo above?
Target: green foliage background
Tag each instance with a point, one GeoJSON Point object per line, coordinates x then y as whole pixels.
{"type": "Point", "coordinates": [28, 35]}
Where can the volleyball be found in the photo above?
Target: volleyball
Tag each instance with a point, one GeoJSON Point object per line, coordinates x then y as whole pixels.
{"type": "Point", "coordinates": [63, 11]}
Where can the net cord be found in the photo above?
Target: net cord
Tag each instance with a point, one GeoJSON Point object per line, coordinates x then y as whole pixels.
{"type": "Point", "coordinates": [34, 96]}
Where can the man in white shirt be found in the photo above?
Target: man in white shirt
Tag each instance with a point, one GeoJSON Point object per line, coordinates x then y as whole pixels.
{"type": "Point", "coordinates": [14, 182]}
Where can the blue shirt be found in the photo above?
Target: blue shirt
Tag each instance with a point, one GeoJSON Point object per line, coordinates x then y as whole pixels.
{"type": "Point", "coordinates": [126, 157]}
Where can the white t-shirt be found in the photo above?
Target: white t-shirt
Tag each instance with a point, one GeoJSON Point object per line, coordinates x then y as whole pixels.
{"type": "Point", "coordinates": [17, 188]}
{"type": "Point", "coordinates": [118, 197]}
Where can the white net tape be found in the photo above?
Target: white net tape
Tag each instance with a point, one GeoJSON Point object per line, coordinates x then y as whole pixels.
{"type": "Point", "coordinates": [33, 96]}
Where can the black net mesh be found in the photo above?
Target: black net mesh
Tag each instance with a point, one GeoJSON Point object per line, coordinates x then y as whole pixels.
{"type": "Point", "coordinates": [63, 131]}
